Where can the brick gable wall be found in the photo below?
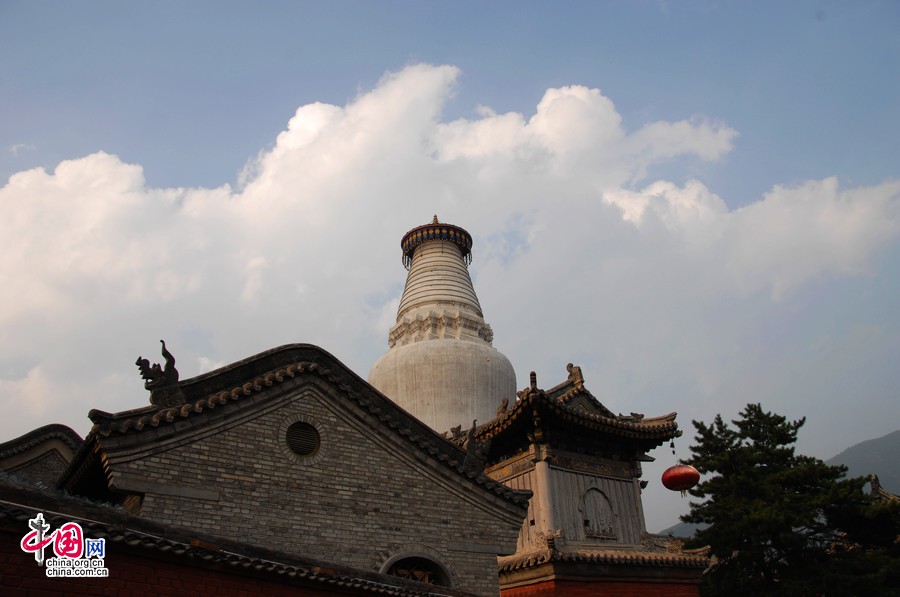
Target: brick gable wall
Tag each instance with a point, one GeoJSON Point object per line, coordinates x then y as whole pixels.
{"type": "Point", "coordinates": [361, 501]}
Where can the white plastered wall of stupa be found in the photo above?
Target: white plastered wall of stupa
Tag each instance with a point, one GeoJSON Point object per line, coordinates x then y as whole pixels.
{"type": "Point", "coordinates": [441, 365]}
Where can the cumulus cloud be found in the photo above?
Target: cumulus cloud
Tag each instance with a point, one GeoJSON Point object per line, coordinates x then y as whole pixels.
{"type": "Point", "coordinates": [577, 131]}
{"type": "Point", "coordinates": [790, 236]}
{"type": "Point", "coordinates": [676, 207]}
{"type": "Point", "coordinates": [668, 299]}
{"type": "Point", "coordinates": [815, 229]}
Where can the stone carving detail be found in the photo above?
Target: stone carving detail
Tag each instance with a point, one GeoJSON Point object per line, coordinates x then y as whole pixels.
{"type": "Point", "coordinates": [575, 375]}
{"type": "Point", "coordinates": [550, 540]}
{"type": "Point", "coordinates": [440, 325]}
{"type": "Point", "coordinates": [663, 543]}
{"type": "Point", "coordinates": [874, 483]}
{"type": "Point", "coordinates": [161, 381]}
{"type": "Point", "coordinates": [879, 492]}
{"type": "Point", "coordinates": [633, 417]}
{"type": "Point", "coordinates": [476, 451]}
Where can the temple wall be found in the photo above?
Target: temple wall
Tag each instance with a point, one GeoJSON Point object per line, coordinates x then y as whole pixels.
{"type": "Point", "coordinates": [611, 588]}
{"type": "Point", "coordinates": [529, 531]}
{"type": "Point", "coordinates": [597, 510]}
{"type": "Point", "coordinates": [588, 501]}
{"type": "Point", "coordinates": [357, 502]}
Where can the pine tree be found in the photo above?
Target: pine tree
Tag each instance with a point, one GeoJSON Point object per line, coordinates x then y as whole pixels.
{"type": "Point", "coordinates": [786, 524]}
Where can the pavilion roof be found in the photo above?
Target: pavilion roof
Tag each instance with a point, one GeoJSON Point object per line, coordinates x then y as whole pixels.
{"type": "Point", "coordinates": [570, 409]}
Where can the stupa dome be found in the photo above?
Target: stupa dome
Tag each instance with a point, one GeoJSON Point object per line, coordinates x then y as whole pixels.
{"type": "Point", "coordinates": [441, 365]}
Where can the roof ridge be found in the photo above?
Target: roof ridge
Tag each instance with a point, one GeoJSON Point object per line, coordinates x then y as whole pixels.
{"type": "Point", "coordinates": [662, 424]}
{"type": "Point", "coordinates": [284, 363]}
{"type": "Point", "coordinates": [632, 557]}
{"type": "Point", "coordinates": [36, 436]}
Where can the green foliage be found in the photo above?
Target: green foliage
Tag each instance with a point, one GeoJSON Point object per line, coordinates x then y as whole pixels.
{"type": "Point", "coordinates": [783, 523]}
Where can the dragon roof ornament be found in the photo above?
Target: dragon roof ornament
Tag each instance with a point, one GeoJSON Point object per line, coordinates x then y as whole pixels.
{"type": "Point", "coordinates": [161, 381]}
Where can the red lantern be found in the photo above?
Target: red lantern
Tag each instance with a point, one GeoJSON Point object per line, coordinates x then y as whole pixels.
{"type": "Point", "coordinates": [680, 477]}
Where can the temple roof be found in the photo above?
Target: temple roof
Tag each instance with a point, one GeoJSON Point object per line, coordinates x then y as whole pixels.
{"type": "Point", "coordinates": [38, 436]}
{"type": "Point", "coordinates": [672, 556]}
{"type": "Point", "coordinates": [879, 492]}
{"type": "Point", "coordinates": [41, 455]}
{"type": "Point", "coordinates": [214, 395]}
{"type": "Point", "coordinates": [569, 410]}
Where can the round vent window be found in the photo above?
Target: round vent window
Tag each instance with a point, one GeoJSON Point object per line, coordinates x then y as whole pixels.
{"type": "Point", "coordinates": [303, 439]}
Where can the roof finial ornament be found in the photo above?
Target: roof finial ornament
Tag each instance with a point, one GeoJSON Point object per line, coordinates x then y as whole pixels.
{"type": "Point", "coordinates": [531, 389]}
{"type": "Point", "coordinates": [162, 382]}
{"type": "Point", "coordinates": [476, 451]}
{"type": "Point", "coordinates": [436, 231]}
{"type": "Point", "coordinates": [575, 374]}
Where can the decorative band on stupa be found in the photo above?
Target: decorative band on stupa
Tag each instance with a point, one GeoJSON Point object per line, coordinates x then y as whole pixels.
{"type": "Point", "coordinates": [436, 231]}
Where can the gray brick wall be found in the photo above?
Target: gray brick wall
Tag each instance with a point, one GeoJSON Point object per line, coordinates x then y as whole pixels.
{"type": "Point", "coordinates": [358, 502]}
{"type": "Point", "coordinates": [45, 469]}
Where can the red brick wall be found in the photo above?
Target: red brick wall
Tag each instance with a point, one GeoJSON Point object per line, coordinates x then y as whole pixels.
{"type": "Point", "coordinates": [564, 588]}
{"type": "Point", "coordinates": [138, 573]}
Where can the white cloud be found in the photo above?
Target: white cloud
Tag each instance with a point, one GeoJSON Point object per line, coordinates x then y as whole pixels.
{"type": "Point", "coordinates": [689, 207]}
{"type": "Point", "coordinates": [667, 299]}
{"type": "Point", "coordinates": [706, 139]}
{"type": "Point", "coordinates": [574, 120]}
{"type": "Point", "coordinates": [207, 365]}
{"type": "Point", "coordinates": [796, 234]}
{"type": "Point", "coordinates": [33, 392]}
{"type": "Point", "coordinates": [20, 147]}
{"type": "Point", "coordinates": [577, 131]}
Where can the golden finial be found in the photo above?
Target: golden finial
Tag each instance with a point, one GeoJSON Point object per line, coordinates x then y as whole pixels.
{"type": "Point", "coordinates": [435, 219]}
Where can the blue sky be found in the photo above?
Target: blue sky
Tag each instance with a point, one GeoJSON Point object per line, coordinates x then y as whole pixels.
{"type": "Point", "coordinates": [190, 90]}
{"type": "Point", "coordinates": [697, 202]}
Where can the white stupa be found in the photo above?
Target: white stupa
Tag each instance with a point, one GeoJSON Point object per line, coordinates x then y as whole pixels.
{"type": "Point", "coordinates": [441, 366]}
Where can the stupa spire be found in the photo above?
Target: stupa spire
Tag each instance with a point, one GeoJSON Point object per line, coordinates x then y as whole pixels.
{"type": "Point", "coordinates": [437, 256]}
{"type": "Point", "coordinates": [441, 365]}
